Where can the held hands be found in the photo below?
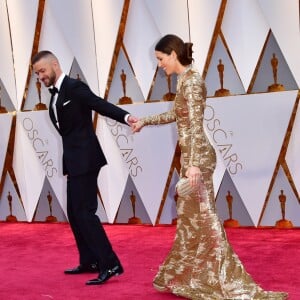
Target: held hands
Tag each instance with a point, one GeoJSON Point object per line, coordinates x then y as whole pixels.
{"type": "Point", "coordinates": [135, 124]}
{"type": "Point", "coordinates": [131, 120]}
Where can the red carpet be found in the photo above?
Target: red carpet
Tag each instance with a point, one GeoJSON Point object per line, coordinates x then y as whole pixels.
{"type": "Point", "coordinates": [33, 257]}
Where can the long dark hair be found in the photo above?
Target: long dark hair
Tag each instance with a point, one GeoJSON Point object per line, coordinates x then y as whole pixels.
{"type": "Point", "coordinates": [171, 42]}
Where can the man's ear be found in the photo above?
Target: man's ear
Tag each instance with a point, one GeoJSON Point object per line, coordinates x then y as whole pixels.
{"type": "Point", "coordinates": [55, 65]}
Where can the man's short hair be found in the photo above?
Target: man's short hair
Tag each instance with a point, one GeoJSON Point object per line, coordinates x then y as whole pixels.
{"type": "Point", "coordinates": [40, 55]}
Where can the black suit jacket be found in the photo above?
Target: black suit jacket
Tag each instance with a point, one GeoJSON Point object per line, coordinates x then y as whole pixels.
{"type": "Point", "coordinates": [81, 149]}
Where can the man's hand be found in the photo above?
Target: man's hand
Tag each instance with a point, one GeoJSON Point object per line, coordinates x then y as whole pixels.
{"type": "Point", "coordinates": [131, 120]}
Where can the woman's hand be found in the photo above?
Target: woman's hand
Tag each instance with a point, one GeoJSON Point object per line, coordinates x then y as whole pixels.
{"type": "Point", "coordinates": [194, 175]}
{"type": "Point", "coordinates": [137, 126]}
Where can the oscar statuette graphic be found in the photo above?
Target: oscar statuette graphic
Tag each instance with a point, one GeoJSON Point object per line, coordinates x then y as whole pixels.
{"type": "Point", "coordinates": [50, 218]}
{"type": "Point", "coordinates": [134, 219]}
{"type": "Point", "coordinates": [10, 217]}
{"type": "Point", "coordinates": [40, 105]}
{"type": "Point", "coordinates": [283, 223]}
{"type": "Point", "coordinates": [124, 99]}
{"type": "Point", "coordinates": [3, 110]}
{"type": "Point", "coordinates": [221, 92]}
{"type": "Point", "coordinates": [230, 222]}
{"type": "Point", "coordinates": [169, 96]}
{"type": "Point", "coordinates": [275, 87]}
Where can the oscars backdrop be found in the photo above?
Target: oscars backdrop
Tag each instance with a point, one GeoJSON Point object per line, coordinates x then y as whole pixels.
{"type": "Point", "coordinates": [248, 54]}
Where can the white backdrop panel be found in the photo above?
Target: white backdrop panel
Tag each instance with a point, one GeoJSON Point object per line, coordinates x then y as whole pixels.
{"type": "Point", "coordinates": [140, 36]}
{"type": "Point", "coordinates": [113, 177]}
{"type": "Point", "coordinates": [106, 17]}
{"type": "Point", "coordinates": [26, 164]}
{"type": "Point", "coordinates": [17, 207]}
{"type": "Point", "coordinates": [244, 22]}
{"type": "Point", "coordinates": [6, 58]}
{"type": "Point", "coordinates": [265, 77]}
{"type": "Point", "coordinates": [283, 18]}
{"type": "Point", "coordinates": [131, 85]}
{"type": "Point", "coordinates": [239, 211]}
{"type": "Point", "coordinates": [187, 19]}
{"type": "Point", "coordinates": [5, 125]}
{"type": "Point", "coordinates": [78, 32]}
{"type": "Point", "coordinates": [22, 17]}
{"type": "Point", "coordinates": [203, 18]}
{"type": "Point", "coordinates": [231, 79]}
{"type": "Point", "coordinates": [293, 151]}
{"type": "Point", "coordinates": [170, 19]}
{"type": "Point", "coordinates": [53, 39]}
{"type": "Point", "coordinates": [273, 211]}
{"type": "Point", "coordinates": [148, 155]}
{"type": "Point", "coordinates": [41, 153]}
{"type": "Point", "coordinates": [249, 136]}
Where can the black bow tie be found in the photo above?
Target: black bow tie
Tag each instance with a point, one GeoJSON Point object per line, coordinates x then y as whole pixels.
{"type": "Point", "coordinates": [53, 91]}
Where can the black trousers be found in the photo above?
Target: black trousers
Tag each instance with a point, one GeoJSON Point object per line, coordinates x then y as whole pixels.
{"type": "Point", "coordinates": [92, 242]}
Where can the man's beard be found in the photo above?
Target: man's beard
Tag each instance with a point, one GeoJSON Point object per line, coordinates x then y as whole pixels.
{"type": "Point", "coordinates": [51, 80]}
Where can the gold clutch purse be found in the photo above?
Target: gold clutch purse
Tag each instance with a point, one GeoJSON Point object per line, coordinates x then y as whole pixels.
{"type": "Point", "coordinates": [184, 188]}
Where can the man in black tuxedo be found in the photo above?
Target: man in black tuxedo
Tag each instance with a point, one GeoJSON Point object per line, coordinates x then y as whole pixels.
{"type": "Point", "coordinates": [70, 110]}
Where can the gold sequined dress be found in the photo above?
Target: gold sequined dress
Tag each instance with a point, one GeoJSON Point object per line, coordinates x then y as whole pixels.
{"type": "Point", "coordinates": [201, 263]}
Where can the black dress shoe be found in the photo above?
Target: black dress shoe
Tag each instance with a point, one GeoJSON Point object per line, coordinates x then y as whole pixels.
{"type": "Point", "coordinates": [92, 268]}
{"type": "Point", "coordinates": [106, 274]}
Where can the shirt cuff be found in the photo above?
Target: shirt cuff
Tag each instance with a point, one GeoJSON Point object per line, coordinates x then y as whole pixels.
{"type": "Point", "coordinates": [126, 118]}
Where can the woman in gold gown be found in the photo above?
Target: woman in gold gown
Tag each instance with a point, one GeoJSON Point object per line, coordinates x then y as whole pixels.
{"type": "Point", "coordinates": [201, 263]}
